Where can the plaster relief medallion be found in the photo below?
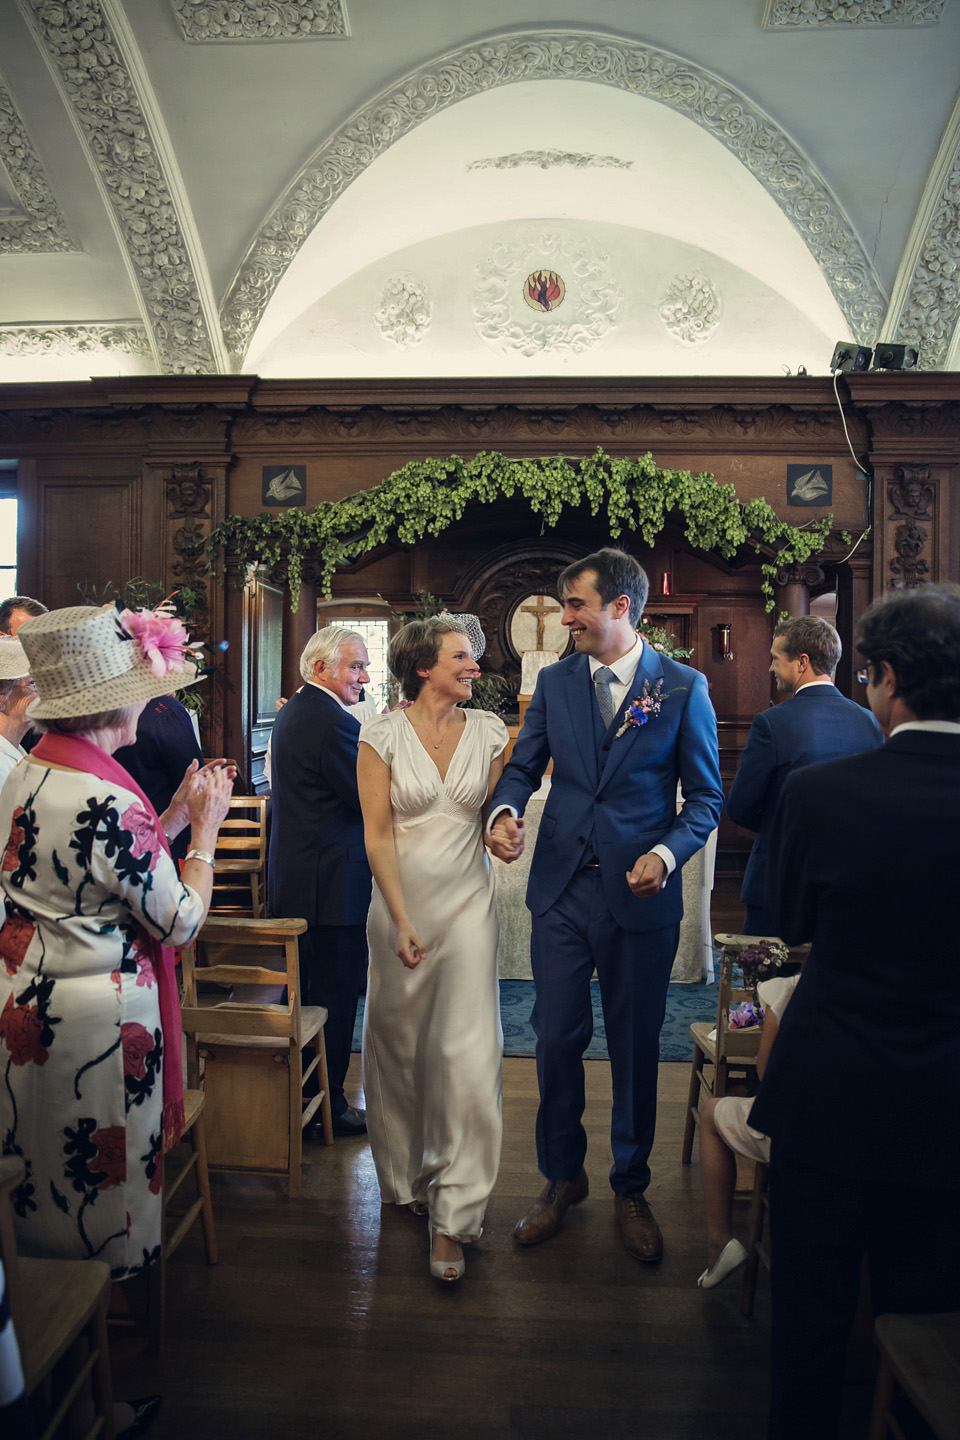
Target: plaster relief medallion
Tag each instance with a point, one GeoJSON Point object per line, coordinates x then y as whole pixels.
{"type": "Point", "coordinates": [284, 484]}
{"type": "Point", "coordinates": [690, 310]}
{"type": "Point", "coordinates": [809, 484]}
{"type": "Point", "coordinates": [404, 313]}
{"type": "Point", "coordinates": [511, 304]}
{"type": "Point", "coordinates": [544, 290]}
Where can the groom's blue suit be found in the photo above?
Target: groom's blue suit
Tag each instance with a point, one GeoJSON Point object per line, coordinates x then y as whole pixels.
{"type": "Point", "coordinates": [611, 800]}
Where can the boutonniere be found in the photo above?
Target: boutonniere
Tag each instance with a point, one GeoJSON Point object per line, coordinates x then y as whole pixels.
{"type": "Point", "coordinates": [645, 706]}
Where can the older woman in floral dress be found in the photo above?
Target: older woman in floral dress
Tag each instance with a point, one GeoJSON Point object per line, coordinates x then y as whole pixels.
{"type": "Point", "coordinates": [91, 1087]}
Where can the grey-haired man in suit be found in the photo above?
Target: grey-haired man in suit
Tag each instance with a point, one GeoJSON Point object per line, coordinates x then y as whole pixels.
{"type": "Point", "coordinates": [317, 865]}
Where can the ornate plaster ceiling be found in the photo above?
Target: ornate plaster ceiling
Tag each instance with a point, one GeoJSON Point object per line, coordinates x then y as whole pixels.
{"type": "Point", "coordinates": [352, 187]}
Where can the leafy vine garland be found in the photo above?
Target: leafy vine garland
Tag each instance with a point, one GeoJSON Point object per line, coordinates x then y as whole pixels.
{"type": "Point", "coordinates": [424, 497]}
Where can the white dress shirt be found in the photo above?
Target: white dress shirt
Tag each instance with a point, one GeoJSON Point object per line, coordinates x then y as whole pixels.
{"type": "Point", "coordinates": [10, 755]}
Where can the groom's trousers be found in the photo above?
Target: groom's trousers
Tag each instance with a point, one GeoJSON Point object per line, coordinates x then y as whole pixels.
{"type": "Point", "coordinates": [569, 941]}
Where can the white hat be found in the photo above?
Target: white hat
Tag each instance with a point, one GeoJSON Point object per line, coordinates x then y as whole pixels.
{"type": "Point", "coordinates": [86, 659]}
{"type": "Point", "coordinates": [14, 664]}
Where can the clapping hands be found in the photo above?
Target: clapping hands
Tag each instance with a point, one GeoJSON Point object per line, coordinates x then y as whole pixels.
{"type": "Point", "coordinates": [195, 781]}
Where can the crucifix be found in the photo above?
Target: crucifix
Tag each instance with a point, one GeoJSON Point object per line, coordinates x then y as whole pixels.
{"type": "Point", "coordinates": [541, 610]}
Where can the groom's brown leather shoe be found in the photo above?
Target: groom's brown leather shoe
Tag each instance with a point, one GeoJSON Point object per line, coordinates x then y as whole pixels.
{"type": "Point", "coordinates": [542, 1220]}
{"type": "Point", "coordinates": [639, 1231]}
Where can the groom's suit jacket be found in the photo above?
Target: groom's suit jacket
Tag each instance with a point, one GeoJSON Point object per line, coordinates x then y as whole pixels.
{"type": "Point", "coordinates": [317, 865]}
{"type": "Point", "coordinates": [864, 865]}
{"type": "Point", "coordinates": [615, 798]}
{"type": "Point", "coordinates": [818, 723]}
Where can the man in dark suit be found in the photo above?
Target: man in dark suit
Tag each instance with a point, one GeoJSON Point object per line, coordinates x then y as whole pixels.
{"type": "Point", "coordinates": [165, 745]}
{"type": "Point", "coordinates": [317, 865]}
{"type": "Point", "coordinates": [622, 725]}
{"type": "Point", "coordinates": [858, 1096]}
{"type": "Point", "coordinates": [815, 723]}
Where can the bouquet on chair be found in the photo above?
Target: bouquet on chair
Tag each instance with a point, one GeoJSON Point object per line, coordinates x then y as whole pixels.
{"type": "Point", "coordinates": [760, 961]}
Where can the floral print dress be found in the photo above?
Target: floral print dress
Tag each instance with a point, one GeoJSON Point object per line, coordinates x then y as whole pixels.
{"type": "Point", "coordinates": [83, 877]}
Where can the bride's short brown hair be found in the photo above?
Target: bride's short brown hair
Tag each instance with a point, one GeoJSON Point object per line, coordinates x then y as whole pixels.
{"type": "Point", "coordinates": [416, 647]}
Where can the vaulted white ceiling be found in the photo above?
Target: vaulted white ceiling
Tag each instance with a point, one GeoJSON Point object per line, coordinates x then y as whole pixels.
{"type": "Point", "coordinates": [361, 188]}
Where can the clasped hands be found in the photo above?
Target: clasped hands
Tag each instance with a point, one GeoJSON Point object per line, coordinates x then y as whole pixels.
{"type": "Point", "coordinates": [505, 837]}
{"type": "Point", "coordinates": [505, 840]}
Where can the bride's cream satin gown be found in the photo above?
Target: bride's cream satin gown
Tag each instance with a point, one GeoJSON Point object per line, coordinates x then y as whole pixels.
{"type": "Point", "coordinates": [432, 1043]}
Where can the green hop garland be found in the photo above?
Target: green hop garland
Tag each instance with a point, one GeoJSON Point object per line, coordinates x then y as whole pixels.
{"type": "Point", "coordinates": [424, 497]}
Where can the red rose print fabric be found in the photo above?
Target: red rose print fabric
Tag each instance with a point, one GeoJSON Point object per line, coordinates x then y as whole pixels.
{"type": "Point", "coordinates": [84, 881]}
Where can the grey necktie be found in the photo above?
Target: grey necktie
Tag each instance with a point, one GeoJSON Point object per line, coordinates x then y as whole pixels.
{"type": "Point", "coordinates": [602, 679]}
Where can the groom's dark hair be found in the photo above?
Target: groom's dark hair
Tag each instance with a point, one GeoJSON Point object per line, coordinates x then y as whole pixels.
{"type": "Point", "coordinates": [617, 574]}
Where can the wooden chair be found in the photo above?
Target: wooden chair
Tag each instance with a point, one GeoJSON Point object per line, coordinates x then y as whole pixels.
{"type": "Point", "coordinates": [730, 1054]}
{"type": "Point", "coordinates": [173, 1175]}
{"type": "Point", "coordinates": [241, 857]}
{"type": "Point", "coordinates": [59, 1311]}
{"type": "Point", "coordinates": [251, 1050]}
{"type": "Point", "coordinates": [919, 1355]}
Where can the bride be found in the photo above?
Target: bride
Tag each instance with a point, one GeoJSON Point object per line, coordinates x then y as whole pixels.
{"type": "Point", "coordinates": [432, 1043]}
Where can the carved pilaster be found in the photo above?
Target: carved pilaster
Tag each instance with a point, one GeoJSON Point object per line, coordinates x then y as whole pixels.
{"type": "Point", "coordinates": [189, 512]}
{"type": "Point", "coordinates": [909, 527]}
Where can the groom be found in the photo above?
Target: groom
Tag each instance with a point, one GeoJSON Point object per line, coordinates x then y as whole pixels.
{"type": "Point", "coordinates": [604, 888]}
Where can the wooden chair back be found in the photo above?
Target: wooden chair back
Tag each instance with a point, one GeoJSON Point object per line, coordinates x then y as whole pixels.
{"type": "Point", "coordinates": [249, 1049]}
{"type": "Point", "coordinates": [240, 859]}
{"type": "Point", "coordinates": [722, 1053]}
{"type": "Point", "coordinates": [58, 1309]}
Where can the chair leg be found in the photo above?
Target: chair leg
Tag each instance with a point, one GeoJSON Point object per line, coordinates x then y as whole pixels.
{"type": "Point", "coordinates": [198, 1140]}
{"type": "Point", "coordinates": [882, 1401]}
{"type": "Point", "coordinates": [101, 1379]}
{"type": "Point", "coordinates": [693, 1099]}
{"type": "Point", "coordinates": [326, 1114]}
{"type": "Point", "coordinates": [295, 1143]}
{"type": "Point", "coordinates": [157, 1275]}
{"type": "Point", "coordinates": [748, 1289]}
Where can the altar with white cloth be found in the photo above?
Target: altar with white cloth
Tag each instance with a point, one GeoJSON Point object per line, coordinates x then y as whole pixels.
{"type": "Point", "coordinates": [694, 960]}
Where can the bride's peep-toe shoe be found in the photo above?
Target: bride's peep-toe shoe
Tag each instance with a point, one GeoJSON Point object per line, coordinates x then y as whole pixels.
{"type": "Point", "coordinates": [419, 1208]}
{"type": "Point", "coordinates": [439, 1268]}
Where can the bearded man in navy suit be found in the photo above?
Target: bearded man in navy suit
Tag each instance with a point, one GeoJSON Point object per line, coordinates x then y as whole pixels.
{"type": "Point", "coordinates": [317, 864]}
{"type": "Point", "coordinates": [816, 723]}
{"type": "Point", "coordinates": [858, 1096]}
{"type": "Point", "coordinates": [622, 724]}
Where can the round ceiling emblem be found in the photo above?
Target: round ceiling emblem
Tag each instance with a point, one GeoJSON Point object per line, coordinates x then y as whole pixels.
{"type": "Point", "coordinates": [544, 290]}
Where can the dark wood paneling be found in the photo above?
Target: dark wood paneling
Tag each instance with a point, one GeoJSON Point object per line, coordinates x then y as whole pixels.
{"type": "Point", "coordinates": [89, 533]}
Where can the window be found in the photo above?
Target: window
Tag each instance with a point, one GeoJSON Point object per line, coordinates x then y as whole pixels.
{"type": "Point", "coordinates": [376, 637]}
{"type": "Point", "coordinates": [8, 545]}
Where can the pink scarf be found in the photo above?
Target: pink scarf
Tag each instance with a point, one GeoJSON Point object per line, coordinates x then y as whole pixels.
{"type": "Point", "coordinates": [79, 754]}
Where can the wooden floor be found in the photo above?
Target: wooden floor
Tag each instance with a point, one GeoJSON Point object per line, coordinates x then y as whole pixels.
{"type": "Point", "coordinates": [321, 1319]}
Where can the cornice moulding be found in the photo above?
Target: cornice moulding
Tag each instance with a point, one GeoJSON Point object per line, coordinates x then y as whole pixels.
{"type": "Point", "coordinates": [244, 20]}
{"type": "Point", "coordinates": [93, 58]}
{"type": "Point", "coordinates": [812, 14]}
{"type": "Point", "coordinates": [126, 337]}
{"type": "Point", "coordinates": [638, 69]}
{"type": "Point", "coordinates": [42, 229]}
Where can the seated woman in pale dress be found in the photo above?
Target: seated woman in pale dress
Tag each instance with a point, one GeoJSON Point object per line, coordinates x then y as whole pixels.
{"type": "Point", "coordinates": [432, 1043]}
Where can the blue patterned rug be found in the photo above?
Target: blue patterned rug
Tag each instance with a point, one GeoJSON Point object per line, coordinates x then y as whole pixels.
{"type": "Point", "coordinates": [685, 1003]}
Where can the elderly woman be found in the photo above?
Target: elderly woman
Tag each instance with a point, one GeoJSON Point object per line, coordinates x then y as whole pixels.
{"type": "Point", "coordinates": [90, 1039]}
{"type": "Point", "coordinates": [432, 1044]}
{"type": "Point", "coordinates": [16, 692]}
